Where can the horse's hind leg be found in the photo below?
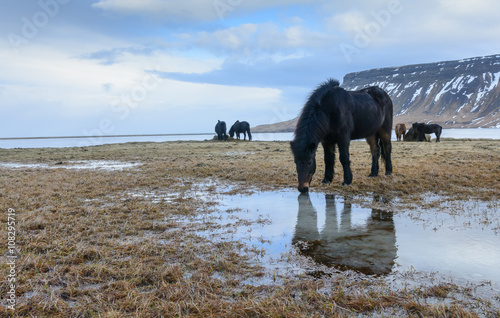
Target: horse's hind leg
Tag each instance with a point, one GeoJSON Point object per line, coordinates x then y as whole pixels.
{"type": "Point", "coordinates": [329, 161]}
{"type": "Point", "coordinates": [385, 140]}
{"type": "Point", "coordinates": [375, 151]}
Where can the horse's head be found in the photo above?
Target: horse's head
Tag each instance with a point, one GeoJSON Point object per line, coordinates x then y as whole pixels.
{"type": "Point", "coordinates": [304, 156]}
{"type": "Point", "coordinates": [231, 131]}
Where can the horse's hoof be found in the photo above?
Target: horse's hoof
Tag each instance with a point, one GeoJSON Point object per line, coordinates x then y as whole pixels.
{"type": "Point", "coordinates": [371, 175]}
{"type": "Point", "coordinates": [346, 184]}
{"type": "Point", "coordinates": [388, 173]}
{"type": "Point", "coordinates": [325, 181]}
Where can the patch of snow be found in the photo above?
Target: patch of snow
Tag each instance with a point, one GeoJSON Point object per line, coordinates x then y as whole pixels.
{"type": "Point", "coordinates": [457, 84]}
{"type": "Point", "coordinates": [430, 89]}
{"type": "Point", "coordinates": [460, 108]}
{"type": "Point", "coordinates": [411, 84]}
{"type": "Point", "coordinates": [493, 79]}
{"type": "Point", "coordinates": [403, 111]}
{"type": "Point", "coordinates": [417, 93]}
{"type": "Point", "coordinates": [471, 78]}
{"type": "Point", "coordinates": [443, 90]}
{"type": "Point", "coordinates": [392, 87]}
{"type": "Point", "coordinates": [75, 165]}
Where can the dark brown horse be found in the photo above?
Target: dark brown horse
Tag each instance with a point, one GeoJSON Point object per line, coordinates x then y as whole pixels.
{"type": "Point", "coordinates": [400, 130]}
{"type": "Point", "coordinates": [333, 116]}
{"type": "Point", "coordinates": [240, 127]}
{"type": "Point", "coordinates": [220, 129]}
{"type": "Point", "coordinates": [421, 129]}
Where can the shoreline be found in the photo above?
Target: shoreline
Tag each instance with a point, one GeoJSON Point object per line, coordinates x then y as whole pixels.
{"type": "Point", "coordinates": [82, 141]}
{"type": "Point", "coordinates": [105, 136]}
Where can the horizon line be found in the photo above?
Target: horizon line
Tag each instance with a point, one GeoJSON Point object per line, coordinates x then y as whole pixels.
{"type": "Point", "coordinates": [105, 136]}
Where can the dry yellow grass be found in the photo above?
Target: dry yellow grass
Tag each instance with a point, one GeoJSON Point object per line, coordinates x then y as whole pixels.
{"type": "Point", "coordinates": [87, 248]}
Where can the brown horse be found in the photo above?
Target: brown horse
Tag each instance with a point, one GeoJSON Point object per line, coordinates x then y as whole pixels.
{"type": "Point", "coordinates": [400, 131]}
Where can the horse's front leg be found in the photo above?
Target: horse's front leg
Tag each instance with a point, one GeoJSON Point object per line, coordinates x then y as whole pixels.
{"type": "Point", "coordinates": [375, 151]}
{"type": "Point", "coordinates": [244, 135]}
{"type": "Point", "coordinates": [329, 161]}
{"type": "Point", "coordinates": [346, 163]}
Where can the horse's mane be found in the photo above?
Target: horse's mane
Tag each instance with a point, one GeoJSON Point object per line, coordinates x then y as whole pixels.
{"type": "Point", "coordinates": [313, 123]}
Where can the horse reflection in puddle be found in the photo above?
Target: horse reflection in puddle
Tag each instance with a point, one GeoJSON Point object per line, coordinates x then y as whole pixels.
{"type": "Point", "coordinates": [370, 249]}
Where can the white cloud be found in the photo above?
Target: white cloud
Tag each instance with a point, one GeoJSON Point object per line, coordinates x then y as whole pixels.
{"type": "Point", "coordinates": [260, 41]}
{"type": "Point", "coordinates": [235, 38]}
{"type": "Point", "coordinates": [72, 86]}
{"type": "Point", "coordinates": [348, 22]}
{"type": "Point", "coordinates": [191, 10]}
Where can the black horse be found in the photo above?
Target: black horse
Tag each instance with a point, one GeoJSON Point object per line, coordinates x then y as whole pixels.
{"type": "Point", "coordinates": [421, 129]}
{"type": "Point", "coordinates": [332, 116]}
{"type": "Point", "coordinates": [220, 129]}
{"type": "Point", "coordinates": [240, 127]}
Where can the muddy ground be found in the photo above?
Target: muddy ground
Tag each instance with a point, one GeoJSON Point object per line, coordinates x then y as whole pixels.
{"type": "Point", "coordinates": [86, 245]}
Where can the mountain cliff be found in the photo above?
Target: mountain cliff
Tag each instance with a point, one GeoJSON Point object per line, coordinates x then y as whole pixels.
{"type": "Point", "coordinates": [454, 94]}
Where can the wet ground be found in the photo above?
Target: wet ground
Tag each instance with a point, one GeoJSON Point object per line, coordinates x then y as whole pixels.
{"type": "Point", "coordinates": [457, 241]}
{"type": "Point", "coordinates": [79, 164]}
{"type": "Point", "coordinates": [207, 228]}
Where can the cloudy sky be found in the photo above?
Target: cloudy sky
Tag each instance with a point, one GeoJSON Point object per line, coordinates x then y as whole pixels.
{"type": "Point", "coordinates": [109, 67]}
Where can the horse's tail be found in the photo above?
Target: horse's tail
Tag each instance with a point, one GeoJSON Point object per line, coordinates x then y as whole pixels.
{"type": "Point", "coordinates": [249, 135]}
{"type": "Point", "coordinates": [382, 148]}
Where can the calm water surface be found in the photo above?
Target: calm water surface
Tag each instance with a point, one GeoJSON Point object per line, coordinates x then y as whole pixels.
{"type": "Point", "coordinates": [491, 133]}
{"type": "Point", "coordinates": [462, 242]}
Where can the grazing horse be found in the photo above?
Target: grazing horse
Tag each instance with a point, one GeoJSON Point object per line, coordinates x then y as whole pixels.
{"type": "Point", "coordinates": [220, 129]}
{"type": "Point", "coordinates": [421, 129]}
{"type": "Point", "coordinates": [411, 135]}
{"type": "Point", "coordinates": [240, 127]}
{"type": "Point", "coordinates": [334, 116]}
{"type": "Point", "coordinates": [400, 130]}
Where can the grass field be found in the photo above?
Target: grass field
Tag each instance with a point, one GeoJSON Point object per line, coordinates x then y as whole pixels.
{"type": "Point", "coordinates": [86, 246]}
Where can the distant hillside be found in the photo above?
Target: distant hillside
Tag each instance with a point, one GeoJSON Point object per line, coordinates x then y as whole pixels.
{"type": "Point", "coordinates": [284, 126]}
{"type": "Point", "coordinates": [454, 94]}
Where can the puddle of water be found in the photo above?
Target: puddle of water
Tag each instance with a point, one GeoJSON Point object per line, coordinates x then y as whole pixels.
{"type": "Point", "coordinates": [463, 245]}
{"type": "Point", "coordinates": [76, 165]}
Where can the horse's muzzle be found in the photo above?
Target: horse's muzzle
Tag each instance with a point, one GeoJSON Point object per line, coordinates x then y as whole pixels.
{"type": "Point", "coordinates": [304, 188]}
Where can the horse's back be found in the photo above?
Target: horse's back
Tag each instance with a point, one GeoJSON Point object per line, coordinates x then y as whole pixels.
{"type": "Point", "coordinates": [244, 125]}
{"type": "Point", "coordinates": [361, 112]}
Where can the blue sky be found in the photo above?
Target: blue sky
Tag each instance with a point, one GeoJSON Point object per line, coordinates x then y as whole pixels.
{"type": "Point", "coordinates": [109, 67]}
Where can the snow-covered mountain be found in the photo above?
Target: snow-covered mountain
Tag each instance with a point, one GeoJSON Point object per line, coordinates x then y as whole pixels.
{"type": "Point", "coordinates": [454, 94]}
{"type": "Point", "coordinates": [458, 94]}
